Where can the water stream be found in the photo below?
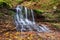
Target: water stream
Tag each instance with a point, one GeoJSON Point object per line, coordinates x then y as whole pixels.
{"type": "Point", "coordinates": [24, 20]}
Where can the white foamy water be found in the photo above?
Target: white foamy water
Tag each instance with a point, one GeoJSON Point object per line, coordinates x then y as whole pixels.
{"type": "Point", "coordinates": [23, 23]}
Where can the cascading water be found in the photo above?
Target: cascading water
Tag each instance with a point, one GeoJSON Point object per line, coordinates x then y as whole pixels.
{"type": "Point", "coordinates": [23, 22]}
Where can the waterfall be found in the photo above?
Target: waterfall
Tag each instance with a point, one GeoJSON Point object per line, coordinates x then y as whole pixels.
{"type": "Point", "coordinates": [32, 16]}
{"type": "Point", "coordinates": [26, 12]}
{"type": "Point", "coordinates": [24, 24]}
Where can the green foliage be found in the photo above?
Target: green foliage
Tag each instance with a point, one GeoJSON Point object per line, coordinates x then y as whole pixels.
{"type": "Point", "coordinates": [58, 17]}
{"type": "Point", "coordinates": [11, 13]}
{"type": "Point", "coordinates": [10, 2]}
{"type": "Point", "coordinates": [50, 16]}
{"type": "Point", "coordinates": [56, 25]}
{"type": "Point", "coordinates": [3, 4]}
{"type": "Point", "coordinates": [1, 14]}
{"type": "Point", "coordinates": [19, 1]}
{"type": "Point", "coordinates": [50, 4]}
{"type": "Point", "coordinates": [35, 0]}
{"type": "Point", "coordinates": [44, 6]}
{"type": "Point", "coordinates": [54, 1]}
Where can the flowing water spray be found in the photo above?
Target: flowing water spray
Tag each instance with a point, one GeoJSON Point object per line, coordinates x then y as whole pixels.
{"type": "Point", "coordinates": [24, 24]}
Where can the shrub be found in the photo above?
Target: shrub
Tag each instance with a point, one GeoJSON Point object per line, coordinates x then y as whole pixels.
{"type": "Point", "coordinates": [11, 3]}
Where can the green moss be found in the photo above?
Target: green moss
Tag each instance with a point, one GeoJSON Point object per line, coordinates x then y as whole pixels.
{"type": "Point", "coordinates": [39, 11]}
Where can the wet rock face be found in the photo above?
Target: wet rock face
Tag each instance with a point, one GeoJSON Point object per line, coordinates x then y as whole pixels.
{"type": "Point", "coordinates": [39, 17]}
